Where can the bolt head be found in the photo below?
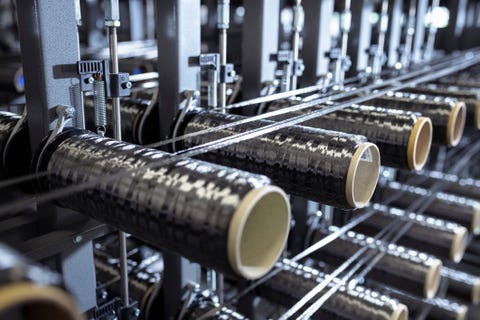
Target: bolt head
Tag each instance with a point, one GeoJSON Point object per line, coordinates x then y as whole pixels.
{"type": "Point", "coordinates": [77, 239]}
{"type": "Point", "coordinates": [89, 80]}
{"type": "Point", "coordinates": [127, 85]}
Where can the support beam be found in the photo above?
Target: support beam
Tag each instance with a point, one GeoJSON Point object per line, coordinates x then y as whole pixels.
{"type": "Point", "coordinates": [419, 35]}
{"type": "Point", "coordinates": [260, 40]}
{"type": "Point", "coordinates": [49, 38]}
{"type": "Point", "coordinates": [316, 39]}
{"type": "Point", "coordinates": [360, 35]}
{"type": "Point", "coordinates": [395, 10]}
{"type": "Point", "coordinates": [178, 37]}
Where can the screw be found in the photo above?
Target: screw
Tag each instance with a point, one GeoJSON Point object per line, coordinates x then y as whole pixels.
{"type": "Point", "coordinates": [127, 85]}
{"type": "Point", "coordinates": [77, 239]}
{"type": "Point", "coordinates": [89, 80]}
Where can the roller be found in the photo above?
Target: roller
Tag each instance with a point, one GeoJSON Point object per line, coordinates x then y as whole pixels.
{"type": "Point", "coordinates": [440, 309]}
{"type": "Point", "coordinates": [223, 218]}
{"type": "Point", "coordinates": [325, 166]}
{"type": "Point", "coordinates": [296, 280]}
{"type": "Point", "coordinates": [448, 118]}
{"type": "Point", "coordinates": [32, 292]}
{"type": "Point", "coordinates": [144, 288]}
{"type": "Point", "coordinates": [462, 285]}
{"type": "Point", "coordinates": [15, 154]}
{"type": "Point", "coordinates": [139, 119]}
{"type": "Point", "coordinates": [465, 187]}
{"type": "Point", "coordinates": [400, 267]}
{"type": "Point", "coordinates": [403, 138]}
{"type": "Point", "coordinates": [470, 98]}
{"type": "Point", "coordinates": [440, 238]}
{"type": "Point", "coordinates": [463, 211]}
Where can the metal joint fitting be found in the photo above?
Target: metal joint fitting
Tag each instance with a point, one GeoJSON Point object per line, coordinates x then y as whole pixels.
{"type": "Point", "coordinates": [223, 12]}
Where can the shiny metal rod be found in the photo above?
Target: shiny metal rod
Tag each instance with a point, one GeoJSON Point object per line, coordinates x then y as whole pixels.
{"type": "Point", "coordinates": [112, 21]}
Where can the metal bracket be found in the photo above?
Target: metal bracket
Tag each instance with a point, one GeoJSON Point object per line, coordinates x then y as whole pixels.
{"type": "Point", "coordinates": [285, 57]}
{"type": "Point", "coordinates": [116, 84]}
{"type": "Point", "coordinates": [227, 73]}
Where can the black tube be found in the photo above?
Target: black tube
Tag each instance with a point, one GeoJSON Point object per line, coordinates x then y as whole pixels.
{"type": "Point", "coordinates": [470, 98]}
{"type": "Point", "coordinates": [325, 166]}
{"type": "Point", "coordinates": [296, 280]}
{"type": "Point", "coordinates": [15, 154]}
{"type": "Point", "coordinates": [440, 309]}
{"type": "Point", "coordinates": [465, 187]}
{"type": "Point", "coordinates": [139, 119]}
{"type": "Point", "coordinates": [448, 118]}
{"type": "Point", "coordinates": [403, 138]}
{"type": "Point", "coordinates": [462, 285]}
{"type": "Point", "coordinates": [437, 237]}
{"type": "Point", "coordinates": [400, 267]}
{"type": "Point", "coordinates": [463, 211]}
{"type": "Point", "coordinates": [226, 219]}
{"type": "Point", "coordinates": [29, 291]}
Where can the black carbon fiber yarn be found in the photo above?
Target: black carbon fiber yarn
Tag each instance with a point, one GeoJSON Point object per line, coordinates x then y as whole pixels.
{"type": "Point", "coordinates": [139, 119]}
{"type": "Point", "coordinates": [448, 117]}
{"type": "Point", "coordinates": [329, 167]}
{"type": "Point", "coordinates": [223, 218]}
{"type": "Point", "coordinates": [403, 138]}
{"type": "Point", "coordinates": [15, 154]}
{"type": "Point", "coordinates": [296, 280]}
{"type": "Point", "coordinates": [470, 98]}
{"type": "Point", "coordinates": [399, 267]}
{"type": "Point", "coordinates": [463, 211]}
{"type": "Point", "coordinates": [463, 286]}
{"type": "Point", "coordinates": [8, 121]}
{"type": "Point", "coordinates": [441, 238]}
{"type": "Point", "coordinates": [465, 187]}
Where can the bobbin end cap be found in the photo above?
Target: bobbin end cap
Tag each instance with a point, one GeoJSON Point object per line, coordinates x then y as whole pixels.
{"type": "Point", "coordinates": [432, 279]}
{"type": "Point", "coordinates": [258, 231]}
{"type": "Point", "coordinates": [476, 291]}
{"type": "Point", "coordinates": [419, 143]}
{"type": "Point", "coordinates": [456, 123]}
{"type": "Point", "coordinates": [462, 314]}
{"type": "Point", "coordinates": [475, 227]}
{"type": "Point", "coordinates": [43, 302]}
{"type": "Point", "coordinates": [400, 313]}
{"type": "Point", "coordinates": [459, 244]}
{"type": "Point", "coordinates": [476, 120]}
{"type": "Point", "coordinates": [362, 175]}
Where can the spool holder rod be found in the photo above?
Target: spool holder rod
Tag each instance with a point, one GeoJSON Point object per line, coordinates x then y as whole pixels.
{"type": "Point", "coordinates": [112, 22]}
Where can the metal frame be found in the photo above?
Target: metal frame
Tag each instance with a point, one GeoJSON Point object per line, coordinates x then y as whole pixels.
{"type": "Point", "coordinates": [261, 24]}
{"type": "Point", "coordinates": [316, 39]}
{"type": "Point", "coordinates": [360, 36]}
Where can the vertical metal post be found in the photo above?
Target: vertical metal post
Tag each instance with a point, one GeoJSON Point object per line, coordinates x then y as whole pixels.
{"type": "Point", "coordinates": [260, 28]}
{"type": "Point", "coordinates": [49, 38]}
{"type": "Point", "coordinates": [223, 22]}
{"type": "Point", "coordinates": [419, 36]}
{"type": "Point", "coordinates": [360, 35]}
{"type": "Point", "coordinates": [451, 34]}
{"type": "Point", "coordinates": [178, 37]}
{"type": "Point", "coordinates": [410, 31]}
{"type": "Point", "coordinates": [136, 19]}
{"type": "Point", "coordinates": [394, 31]}
{"type": "Point", "coordinates": [432, 32]}
{"type": "Point", "coordinates": [298, 21]}
{"type": "Point", "coordinates": [316, 39]}
{"type": "Point", "coordinates": [383, 28]}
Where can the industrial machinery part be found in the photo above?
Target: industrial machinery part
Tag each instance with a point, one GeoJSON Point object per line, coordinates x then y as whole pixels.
{"type": "Point", "coordinates": [139, 119]}
{"type": "Point", "coordinates": [441, 238]}
{"type": "Point", "coordinates": [295, 280]}
{"type": "Point", "coordinates": [470, 98]}
{"type": "Point", "coordinates": [11, 76]}
{"type": "Point", "coordinates": [404, 138]}
{"type": "Point", "coordinates": [30, 292]}
{"type": "Point", "coordinates": [448, 118]}
{"type": "Point", "coordinates": [440, 309]}
{"type": "Point", "coordinates": [463, 211]}
{"type": "Point", "coordinates": [465, 187]}
{"type": "Point", "coordinates": [223, 218]}
{"type": "Point", "coordinates": [399, 267]}
{"type": "Point", "coordinates": [330, 167]}
{"type": "Point", "coordinates": [461, 285]}
{"type": "Point", "coordinates": [15, 154]}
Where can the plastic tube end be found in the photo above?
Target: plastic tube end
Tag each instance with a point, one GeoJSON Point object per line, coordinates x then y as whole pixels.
{"type": "Point", "coordinates": [456, 123]}
{"type": "Point", "coordinates": [459, 244]}
{"type": "Point", "coordinates": [432, 279]}
{"type": "Point", "coordinates": [400, 313]}
{"type": "Point", "coordinates": [419, 143]}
